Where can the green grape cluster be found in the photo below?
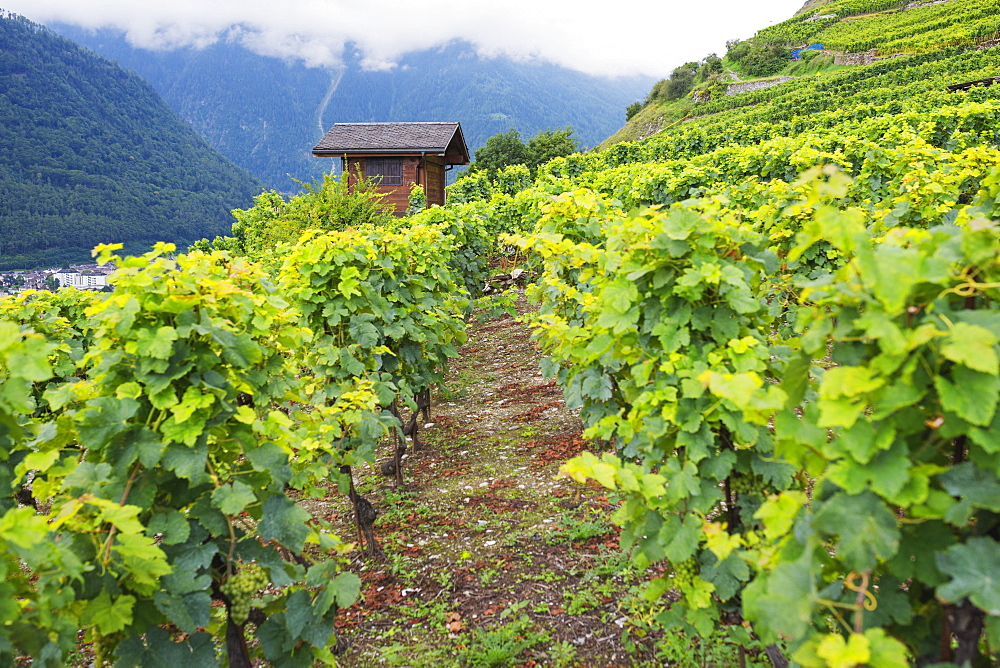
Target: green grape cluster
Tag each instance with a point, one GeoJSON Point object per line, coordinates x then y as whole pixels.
{"type": "Point", "coordinates": [104, 647]}
{"type": "Point", "coordinates": [747, 484]}
{"type": "Point", "coordinates": [241, 588]}
{"type": "Point", "coordinates": [685, 572]}
{"type": "Point", "coordinates": [223, 470]}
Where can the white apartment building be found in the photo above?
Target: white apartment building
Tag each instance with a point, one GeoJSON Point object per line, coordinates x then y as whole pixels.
{"type": "Point", "coordinates": [81, 280]}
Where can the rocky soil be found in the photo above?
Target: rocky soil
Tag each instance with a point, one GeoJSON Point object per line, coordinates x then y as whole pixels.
{"type": "Point", "coordinates": [491, 558]}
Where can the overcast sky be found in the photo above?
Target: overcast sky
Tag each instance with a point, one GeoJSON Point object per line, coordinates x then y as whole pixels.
{"type": "Point", "coordinates": [619, 37]}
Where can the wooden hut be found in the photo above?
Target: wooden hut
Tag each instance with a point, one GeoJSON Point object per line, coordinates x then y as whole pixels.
{"type": "Point", "coordinates": [397, 155]}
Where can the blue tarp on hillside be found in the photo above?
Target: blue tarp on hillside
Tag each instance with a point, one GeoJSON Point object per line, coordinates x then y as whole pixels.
{"type": "Point", "coordinates": [797, 53]}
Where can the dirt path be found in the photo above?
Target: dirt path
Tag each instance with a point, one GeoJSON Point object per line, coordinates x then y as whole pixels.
{"type": "Point", "coordinates": [491, 558]}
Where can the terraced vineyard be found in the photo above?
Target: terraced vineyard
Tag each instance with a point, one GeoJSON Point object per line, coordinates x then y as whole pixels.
{"type": "Point", "coordinates": [777, 325]}
{"type": "Point", "coordinates": [891, 26]}
{"type": "Point", "coordinates": [771, 311]}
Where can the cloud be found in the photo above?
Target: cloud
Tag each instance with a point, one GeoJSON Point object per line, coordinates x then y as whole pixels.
{"type": "Point", "coordinates": [628, 37]}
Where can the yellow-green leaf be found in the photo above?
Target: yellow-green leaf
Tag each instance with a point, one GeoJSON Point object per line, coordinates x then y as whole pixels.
{"type": "Point", "coordinates": [107, 615]}
{"type": "Point", "coordinates": [587, 466]}
{"type": "Point", "coordinates": [973, 346]}
{"type": "Point", "coordinates": [840, 653]}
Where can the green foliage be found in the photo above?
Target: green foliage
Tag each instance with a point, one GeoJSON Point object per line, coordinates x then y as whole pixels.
{"type": "Point", "coordinates": [417, 200]}
{"type": "Point", "coordinates": [785, 357]}
{"type": "Point", "coordinates": [328, 205]}
{"type": "Point", "coordinates": [659, 89]}
{"type": "Point", "coordinates": [185, 419]}
{"type": "Point", "coordinates": [472, 186]}
{"type": "Point", "coordinates": [657, 327]}
{"type": "Point", "coordinates": [711, 65]}
{"type": "Point", "coordinates": [549, 144]}
{"type": "Point", "coordinates": [512, 180]}
{"type": "Point", "coordinates": [190, 406]}
{"type": "Point", "coordinates": [208, 399]}
{"type": "Point", "coordinates": [474, 239]}
{"type": "Point", "coordinates": [889, 26]}
{"type": "Point", "coordinates": [812, 63]}
{"type": "Point", "coordinates": [61, 317]}
{"type": "Point", "coordinates": [506, 149]}
{"type": "Point", "coordinates": [758, 58]}
{"type": "Point", "coordinates": [722, 648]}
{"type": "Point", "coordinates": [633, 109]}
{"type": "Point", "coordinates": [681, 81]}
{"type": "Point", "coordinates": [230, 244]}
{"type": "Point", "coordinates": [507, 186]}
{"type": "Point", "coordinates": [502, 646]}
{"type": "Point", "coordinates": [500, 150]}
{"type": "Point", "coordinates": [379, 303]}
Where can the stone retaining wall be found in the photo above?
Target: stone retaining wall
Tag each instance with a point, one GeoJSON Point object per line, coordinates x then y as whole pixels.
{"type": "Point", "coordinates": [747, 86]}
{"type": "Point", "coordinates": [863, 58]}
{"type": "Point", "coordinates": [915, 5]}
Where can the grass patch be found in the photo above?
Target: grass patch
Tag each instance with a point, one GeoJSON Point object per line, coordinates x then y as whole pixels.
{"type": "Point", "coordinates": [504, 645]}
{"type": "Point", "coordinates": [576, 529]}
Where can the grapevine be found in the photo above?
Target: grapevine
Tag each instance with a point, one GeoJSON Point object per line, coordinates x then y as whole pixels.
{"type": "Point", "coordinates": [703, 484]}
{"type": "Point", "coordinates": [747, 484]}
{"type": "Point", "coordinates": [241, 588]}
{"type": "Point", "coordinates": [685, 572]}
{"type": "Point", "coordinates": [782, 316]}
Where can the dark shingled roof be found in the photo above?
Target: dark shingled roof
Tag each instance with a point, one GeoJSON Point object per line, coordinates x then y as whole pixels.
{"type": "Point", "coordinates": [970, 84]}
{"type": "Point", "coordinates": [395, 138]}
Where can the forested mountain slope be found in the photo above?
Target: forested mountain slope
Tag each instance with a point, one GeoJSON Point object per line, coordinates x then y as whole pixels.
{"type": "Point", "coordinates": [266, 114]}
{"type": "Point", "coordinates": [91, 154]}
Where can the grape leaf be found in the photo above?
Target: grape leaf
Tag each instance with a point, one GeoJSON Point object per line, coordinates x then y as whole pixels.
{"type": "Point", "coordinates": [840, 653]}
{"type": "Point", "coordinates": [973, 346]}
{"type": "Point", "coordinates": [171, 524]}
{"type": "Point", "coordinates": [781, 601]}
{"type": "Point", "coordinates": [865, 528]}
{"type": "Point", "coordinates": [972, 396]}
{"type": "Point", "coordinates": [187, 611]}
{"type": "Point", "coordinates": [161, 651]}
{"type": "Point", "coordinates": [233, 497]}
{"type": "Point", "coordinates": [109, 616]}
{"type": "Point", "coordinates": [285, 522]}
{"type": "Point", "coordinates": [973, 569]}
{"type": "Point", "coordinates": [156, 344]}
{"type": "Point", "coordinates": [975, 487]}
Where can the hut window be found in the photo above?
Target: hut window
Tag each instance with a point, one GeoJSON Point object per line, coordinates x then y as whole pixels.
{"type": "Point", "coordinates": [385, 171]}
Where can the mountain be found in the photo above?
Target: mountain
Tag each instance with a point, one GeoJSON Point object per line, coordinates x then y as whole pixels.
{"type": "Point", "coordinates": [266, 114]}
{"type": "Point", "coordinates": [91, 154]}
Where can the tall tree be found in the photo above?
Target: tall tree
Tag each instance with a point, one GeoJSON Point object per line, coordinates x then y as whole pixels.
{"type": "Point", "coordinates": [500, 150]}
{"type": "Point", "coordinates": [507, 148]}
{"type": "Point", "coordinates": [549, 144]}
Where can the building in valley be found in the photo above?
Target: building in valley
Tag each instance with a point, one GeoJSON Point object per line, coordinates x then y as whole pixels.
{"type": "Point", "coordinates": [83, 279]}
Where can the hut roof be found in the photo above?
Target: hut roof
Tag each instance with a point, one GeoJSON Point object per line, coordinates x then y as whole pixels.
{"type": "Point", "coordinates": [395, 139]}
{"type": "Point", "coordinates": [969, 84]}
